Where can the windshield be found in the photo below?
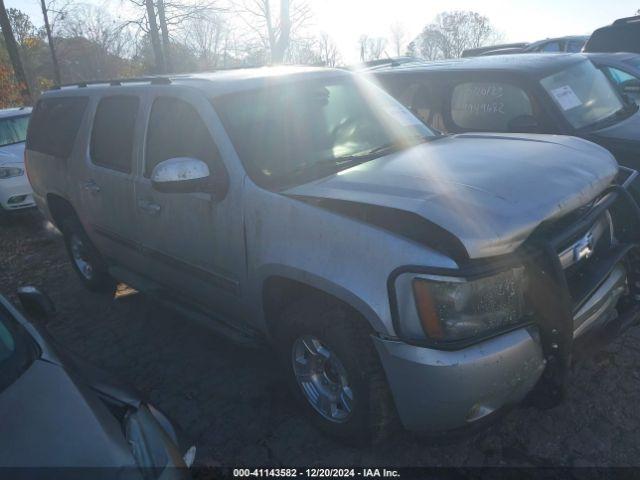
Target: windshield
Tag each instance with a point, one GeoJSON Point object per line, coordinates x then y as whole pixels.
{"type": "Point", "coordinates": [296, 132]}
{"type": "Point", "coordinates": [583, 94]}
{"type": "Point", "coordinates": [13, 130]}
{"type": "Point", "coordinates": [16, 353]}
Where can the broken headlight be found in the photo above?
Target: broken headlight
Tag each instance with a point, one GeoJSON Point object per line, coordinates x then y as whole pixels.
{"type": "Point", "coordinates": [444, 309]}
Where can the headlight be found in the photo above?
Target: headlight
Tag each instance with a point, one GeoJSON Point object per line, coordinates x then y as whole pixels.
{"type": "Point", "coordinates": [446, 309]}
{"type": "Point", "coordinates": [7, 172]}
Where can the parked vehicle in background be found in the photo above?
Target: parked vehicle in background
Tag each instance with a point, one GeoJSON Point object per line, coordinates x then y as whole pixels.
{"type": "Point", "coordinates": [561, 94]}
{"type": "Point", "coordinates": [569, 44]}
{"type": "Point", "coordinates": [393, 269]}
{"type": "Point", "coordinates": [476, 52]}
{"type": "Point", "coordinates": [622, 69]}
{"type": "Point", "coordinates": [59, 411]}
{"type": "Point", "coordinates": [15, 191]}
{"type": "Point", "coordinates": [623, 35]}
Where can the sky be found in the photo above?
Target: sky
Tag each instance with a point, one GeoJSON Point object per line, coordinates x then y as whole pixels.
{"type": "Point", "coordinates": [518, 20]}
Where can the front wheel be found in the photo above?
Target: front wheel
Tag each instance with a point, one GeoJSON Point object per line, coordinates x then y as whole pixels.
{"type": "Point", "coordinates": [334, 370]}
{"type": "Point", "coordinates": [85, 258]}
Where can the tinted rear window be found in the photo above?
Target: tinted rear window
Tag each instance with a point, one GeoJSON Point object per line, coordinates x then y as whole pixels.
{"type": "Point", "coordinates": [112, 134]}
{"type": "Point", "coordinates": [54, 125]}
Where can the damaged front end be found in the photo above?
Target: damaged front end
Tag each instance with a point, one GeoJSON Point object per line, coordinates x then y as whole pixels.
{"type": "Point", "coordinates": [584, 278]}
{"type": "Point", "coordinates": [512, 325]}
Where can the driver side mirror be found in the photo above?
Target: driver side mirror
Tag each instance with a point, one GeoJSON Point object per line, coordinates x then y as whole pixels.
{"type": "Point", "coordinates": [181, 175]}
{"type": "Point", "coordinates": [524, 124]}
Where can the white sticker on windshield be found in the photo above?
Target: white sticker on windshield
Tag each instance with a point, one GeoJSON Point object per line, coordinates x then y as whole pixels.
{"type": "Point", "coordinates": [403, 116]}
{"type": "Point", "coordinates": [566, 97]}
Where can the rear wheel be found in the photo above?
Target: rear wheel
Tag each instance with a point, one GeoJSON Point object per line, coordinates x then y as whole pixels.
{"type": "Point", "coordinates": [334, 370]}
{"type": "Point", "coordinates": [85, 258]}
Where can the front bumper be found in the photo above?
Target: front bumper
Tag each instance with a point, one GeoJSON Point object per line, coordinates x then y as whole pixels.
{"type": "Point", "coordinates": [16, 193]}
{"type": "Point", "coordinates": [437, 390]}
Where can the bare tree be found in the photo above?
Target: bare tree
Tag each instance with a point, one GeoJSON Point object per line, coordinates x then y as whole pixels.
{"type": "Point", "coordinates": [429, 44]}
{"type": "Point", "coordinates": [14, 54]}
{"type": "Point", "coordinates": [453, 32]}
{"type": "Point", "coordinates": [99, 27]}
{"type": "Point", "coordinates": [207, 36]}
{"type": "Point", "coordinates": [147, 23]}
{"type": "Point", "coordinates": [371, 48]}
{"type": "Point", "coordinates": [164, 30]}
{"type": "Point", "coordinates": [52, 48]}
{"type": "Point", "coordinates": [398, 37]}
{"type": "Point", "coordinates": [275, 31]}
{"type": "Point", "coordinates": [328, 51]}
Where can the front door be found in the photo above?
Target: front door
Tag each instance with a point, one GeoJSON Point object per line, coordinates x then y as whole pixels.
{"type": "Point", "coordinates": [193, 242]}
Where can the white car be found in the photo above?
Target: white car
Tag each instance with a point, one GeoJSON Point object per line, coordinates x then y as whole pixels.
{"type": "Point", "coordinates": [15, 190]}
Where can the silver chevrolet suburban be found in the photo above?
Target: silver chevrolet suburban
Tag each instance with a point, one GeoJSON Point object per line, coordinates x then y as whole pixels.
{"type": "Point", "coordinates": [399, 273]}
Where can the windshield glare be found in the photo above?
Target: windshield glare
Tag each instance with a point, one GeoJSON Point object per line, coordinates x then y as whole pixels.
{"type": "Point", "coordinates": [13, 130]}
{"type": "Point", "coordinates": [299, 131]}
{"type": "Point", "coordinates": [583, 94]}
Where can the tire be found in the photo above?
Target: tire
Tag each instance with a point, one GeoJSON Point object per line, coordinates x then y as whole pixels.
{"type": "Point", "coordinates": [368, 415]}
{"type": "Point", "coordinates": [85, 258]}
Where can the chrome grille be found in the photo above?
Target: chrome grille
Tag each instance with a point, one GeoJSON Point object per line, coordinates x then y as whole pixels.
{"type": "Point", "coordinates": [599, 237]}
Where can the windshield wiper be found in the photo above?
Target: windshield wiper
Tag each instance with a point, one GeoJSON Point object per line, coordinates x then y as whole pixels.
{"type": "Point", "coordinates": [382, 150]}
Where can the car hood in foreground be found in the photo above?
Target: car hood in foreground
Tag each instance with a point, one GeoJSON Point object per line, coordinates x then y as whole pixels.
{"type": "Point", "coordinates": [49, 421]}
{"type": "Point", "coordinates": [489, 190]}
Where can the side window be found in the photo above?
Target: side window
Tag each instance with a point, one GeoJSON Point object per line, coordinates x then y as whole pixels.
{"type": "Point", "coordinates": [574, 46]}
{"type": "Point", "coordinates": [177, 130]}
{"type": "Point", "coordinates": [113, 131]}
{"type": "Point", "coordinates": [618, 76]}
{"type": "Point", "coordinates": [551, 47]}
{"type": "Point", "coordinates": [425, 102]}
{"type": "Point", "coordinates": [626, 83]}
{"type": "Point", "coordinates": [54, 125]}
{"type": "Point", "coordinates": [488, 106]}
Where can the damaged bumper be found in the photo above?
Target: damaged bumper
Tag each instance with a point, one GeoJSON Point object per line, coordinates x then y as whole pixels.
{"type": "Point", "coordinates": [583, 281]}
{"type": "Point", "coordinates": [438, 390]}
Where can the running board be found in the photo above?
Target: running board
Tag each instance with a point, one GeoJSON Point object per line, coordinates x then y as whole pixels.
{"type": "Point", "coordinates": [211, 321]}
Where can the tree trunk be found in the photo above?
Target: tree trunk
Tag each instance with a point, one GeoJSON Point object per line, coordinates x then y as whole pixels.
{"type": "Point", "coordinates": [281, 46]}
{"type": "Point", "coordinates": [54, 57]}
{"type": "Point", "coordinates": [14, 54]}
{"type": "Point", "coordinates": [165, 35]}
{"type": "Point", "coordinates": [155, 37]}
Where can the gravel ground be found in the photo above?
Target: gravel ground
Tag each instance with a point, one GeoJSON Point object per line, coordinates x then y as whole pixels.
{"type": "Point", "coordinates": [234, 405]}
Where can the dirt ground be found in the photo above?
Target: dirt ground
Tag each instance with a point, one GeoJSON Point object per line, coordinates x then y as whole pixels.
{"type": "Point", "coordinates": [233, 403]}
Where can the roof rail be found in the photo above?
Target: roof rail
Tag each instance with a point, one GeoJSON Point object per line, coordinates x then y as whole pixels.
{"type": "Point", "coordinates": [620, 21]}
{"type": "Point", "coordinates": [117, 82]}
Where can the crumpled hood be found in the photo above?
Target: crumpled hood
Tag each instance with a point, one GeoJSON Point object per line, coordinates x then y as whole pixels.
{"type": "Point", "coordinates": [12, 154]}
{"type": "Point", "coordinates": [489, 190]}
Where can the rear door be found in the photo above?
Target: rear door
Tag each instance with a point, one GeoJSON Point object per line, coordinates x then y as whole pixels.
{"type": "Point", "coordinates": [107, 184]}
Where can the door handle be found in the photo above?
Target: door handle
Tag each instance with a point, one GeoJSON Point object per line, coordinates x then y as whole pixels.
{"type": "Point", "coordinates": [149, 207]}
{"type": "Point", "coordinates": [91, 186]}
